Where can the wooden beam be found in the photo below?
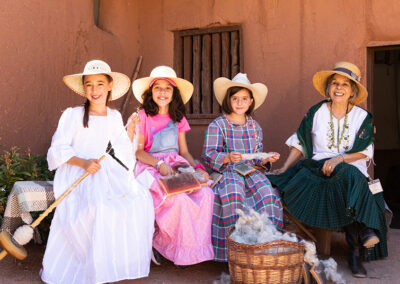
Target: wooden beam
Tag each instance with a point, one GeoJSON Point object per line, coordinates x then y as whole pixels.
{"type": "Point", "coordinates": [206, 94]}
{"type": "Point", "coordinates": [178, 45]}
{"type": "Point", "coordinates": [225, 50]}
{"type": "Point", "coordinates": [235, 60]}
{"type": "Point", "coordinates": [216, 68]}
{"type": "Point", "coordinates": [188, 66]}
{"type": "Point", "coordinates": [196, 73]}
{"type": "Point", "coordinates": [192, 32]}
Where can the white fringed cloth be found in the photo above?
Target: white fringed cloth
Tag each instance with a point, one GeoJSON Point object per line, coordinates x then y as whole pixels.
{"type": "Point", "coordinates": [26, 197]}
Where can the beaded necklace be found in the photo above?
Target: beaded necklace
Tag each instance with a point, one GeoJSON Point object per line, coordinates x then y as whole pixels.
{"type": "Point", "coordinates": [332, 131]}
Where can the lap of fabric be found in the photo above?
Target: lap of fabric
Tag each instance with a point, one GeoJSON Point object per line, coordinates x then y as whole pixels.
{"type": "Point", "coordinates": [237, 192]}
{"type": "Point", "coordinates": [333, 202]}
{"type": "Point", "coordinates": [183, 233]}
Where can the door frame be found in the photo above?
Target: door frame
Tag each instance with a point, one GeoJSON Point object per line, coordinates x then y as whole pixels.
{"type": "Point", "coordinates": [371, 48]}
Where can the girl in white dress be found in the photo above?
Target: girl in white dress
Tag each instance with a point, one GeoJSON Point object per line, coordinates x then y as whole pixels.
{"type": "Point", "coordinates": [102, 231]}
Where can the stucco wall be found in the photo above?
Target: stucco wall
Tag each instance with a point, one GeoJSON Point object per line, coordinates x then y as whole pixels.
{"type": "Point", "coordinates": [284, 43]}
{"type": "Point", "coordinates": [41, 41]}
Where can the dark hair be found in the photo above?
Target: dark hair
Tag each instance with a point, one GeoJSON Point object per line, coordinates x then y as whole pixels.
{"type": "Point", "coordinates": [87, 102]}
{"type": "Point", "coordinates": [176, 108]}
{"type": "Point", "coordinates": [353, 85]}
{"type": "Point", "coordinates": [226, 103]}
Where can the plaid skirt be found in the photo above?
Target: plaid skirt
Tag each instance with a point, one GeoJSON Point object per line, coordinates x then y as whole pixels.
{"type": "Point", "coordinates": [234, 192]}
{"type": "Point", "coordinates": [333, 202]}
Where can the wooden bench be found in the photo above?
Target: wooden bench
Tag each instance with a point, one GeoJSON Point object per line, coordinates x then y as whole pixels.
{"type": "Point", "coordinates": [321, 237]}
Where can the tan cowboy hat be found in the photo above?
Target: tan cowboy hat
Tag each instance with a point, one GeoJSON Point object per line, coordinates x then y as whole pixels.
{"type": "Point", "coordinates": [346, 69]}
{"type": "Point", "coordinates": [121, 81]}
{"type": "Point", "coordinates": [222, 84]}
{"type": "Point", "coordinates": [141, 85]}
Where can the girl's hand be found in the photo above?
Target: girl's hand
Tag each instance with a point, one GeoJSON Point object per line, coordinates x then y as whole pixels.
{"type": "Point", "coordinates": [235, 157]}
{"type": "Point", "coordinates": [330, 165]}
{"type": "Point", "coordinates": [91, 166]}
{"type": "Point", "coordinates": [203, 173]}
{"type": "Point", "coordinates": [166, 170]}
{"type": "Point", "coordinates": [271, 159]}
{"type": "Point", "coordinates": [133, 122]}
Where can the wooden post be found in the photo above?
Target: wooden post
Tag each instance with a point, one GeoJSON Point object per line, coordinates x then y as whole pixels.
{"type": "Point", "coordinates": [323, 243]}
{"type": "Point", "coordinates": [225, 62]}
{"type": "Point", "coordinates": [216, 67]}
{"type": "Point", "coordinates": [235, 64]}
{"type": "Point", "coordinates": [206, 83]}
{"type": "Point", "coordinates": [187, 66]}
{"type": "Point", "coordinates": [133, 78]}
{"type": "Point", "coordinates": [196, 73]}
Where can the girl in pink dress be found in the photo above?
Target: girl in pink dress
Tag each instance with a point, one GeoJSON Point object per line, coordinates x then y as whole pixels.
{"type": "Point", "coordinates": [183, 221]}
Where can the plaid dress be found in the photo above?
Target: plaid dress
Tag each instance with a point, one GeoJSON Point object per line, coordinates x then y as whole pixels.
{"type": "Point", "coordinates": [234, 191]}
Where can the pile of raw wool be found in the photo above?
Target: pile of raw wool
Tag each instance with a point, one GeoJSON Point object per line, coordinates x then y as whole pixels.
{"type": "Point", "coordinates": [327, 267]}
{"type": "Point", "coordinates": [256, 228]}
{"type": "Point", "coordinates": [223, 279]}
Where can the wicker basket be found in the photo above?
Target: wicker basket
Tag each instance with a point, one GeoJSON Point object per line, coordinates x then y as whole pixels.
{"type": "Point", "coordinates": [269, 263]}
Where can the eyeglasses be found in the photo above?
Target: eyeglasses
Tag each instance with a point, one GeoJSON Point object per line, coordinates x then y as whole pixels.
{"type": "Point", "coordinates": [159, 90]}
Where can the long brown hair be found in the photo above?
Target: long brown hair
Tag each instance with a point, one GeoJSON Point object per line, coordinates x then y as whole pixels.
{"type": "Point", "coordinates": [176, 108]}
{"type": "Point", "coordinates": [86, 105]}
{"type": "Point", "coordinates": [226, 103]}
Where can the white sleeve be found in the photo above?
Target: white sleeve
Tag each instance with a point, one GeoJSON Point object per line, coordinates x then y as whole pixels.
{"type": "Point", "coordinates": [369, 152]}
{"type": "Point", "coordinates": [293, 141]}
{"type": "Point", "coordinates": [61, 149]}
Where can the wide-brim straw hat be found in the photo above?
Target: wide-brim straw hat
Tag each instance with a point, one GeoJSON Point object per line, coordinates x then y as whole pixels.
{"type": "Point", "coordinates": [121, 82]}
{"type": "Point", "coordinates": [222, 84]}
{"type": "Point", "coordinates": [141, 85]}
{"type": "Point", "coordinates": [345, 69]}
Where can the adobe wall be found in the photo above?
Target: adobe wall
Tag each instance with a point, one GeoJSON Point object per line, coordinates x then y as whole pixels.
{"type": "Point", "coordinates": [41, 41]}
{"type": "Point", "coordinates": [284, 44]}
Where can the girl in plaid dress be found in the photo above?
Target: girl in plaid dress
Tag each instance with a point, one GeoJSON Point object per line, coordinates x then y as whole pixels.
{"type": "Point", "coordinates": [227, 138]}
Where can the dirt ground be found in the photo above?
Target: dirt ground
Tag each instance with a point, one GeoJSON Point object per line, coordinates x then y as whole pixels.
{"type": "Point", "coordinates": [383, 271]}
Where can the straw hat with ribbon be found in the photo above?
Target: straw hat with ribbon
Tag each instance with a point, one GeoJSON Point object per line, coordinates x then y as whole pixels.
{"type": "Point", "coordinates": [141, 85]}
{"type": "Point", "coordinates": [345, 69]}
{"type": "Point", "coordinates": [222, 84]}
{"type": "Point", "coordinates": [94, 67]}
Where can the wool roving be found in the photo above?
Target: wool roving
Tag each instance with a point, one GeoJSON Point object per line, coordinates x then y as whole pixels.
{"type": "Point", "coordinates": [23, 235]}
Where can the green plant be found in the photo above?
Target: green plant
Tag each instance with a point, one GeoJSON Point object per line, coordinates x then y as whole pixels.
{"type": "Point", "coordinates": [16, 167]}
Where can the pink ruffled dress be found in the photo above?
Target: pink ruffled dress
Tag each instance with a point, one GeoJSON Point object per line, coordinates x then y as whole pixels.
{"type": "Point", "coordinates": [183, 221]}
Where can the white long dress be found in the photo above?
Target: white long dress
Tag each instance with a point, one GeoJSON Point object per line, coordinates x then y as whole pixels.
{"type": "Point", "coordinates": [324, 139]}
{"type": "Point", "coordinates": [102, 231]}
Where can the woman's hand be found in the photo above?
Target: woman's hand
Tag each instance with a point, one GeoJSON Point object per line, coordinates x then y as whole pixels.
{"type": "Point", "coordinates": [330, 165]}
{"type": "Point", "coordinates": [91, 166]}
{"type": "Point", "coordinates": [133, 122]}
{"type": "Point", "coordinates": [203, 173]}
{"type": "Point", "coordinates": [235, 157]}
{"type": "Point", "coordinates": [279, 171]}
{"type": "Point", "coordinates": [166, 170]}
{"type": "Point", "coordinates": [271, 159]}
